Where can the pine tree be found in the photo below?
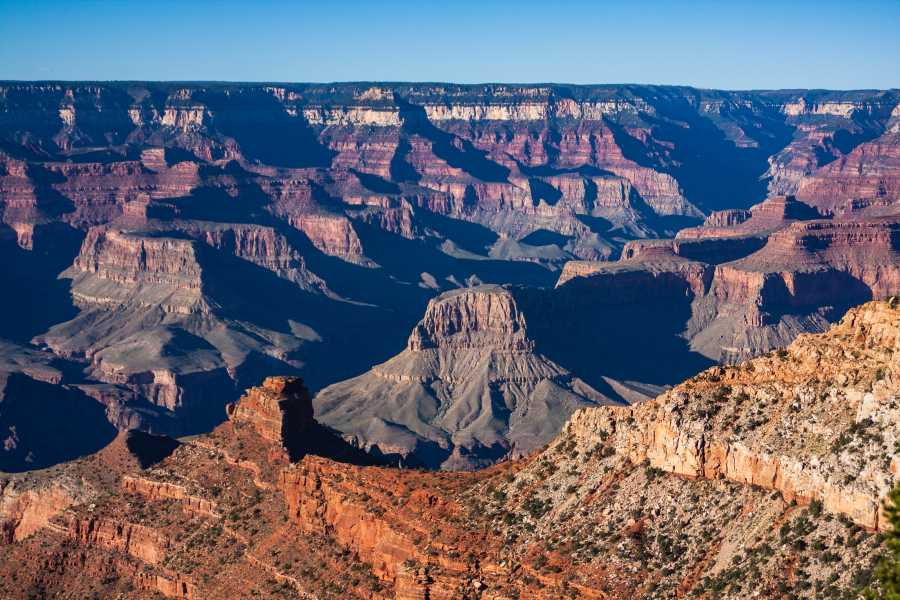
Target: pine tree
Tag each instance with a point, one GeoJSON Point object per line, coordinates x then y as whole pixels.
{"type": "Point", "coordinates": [888, 570]}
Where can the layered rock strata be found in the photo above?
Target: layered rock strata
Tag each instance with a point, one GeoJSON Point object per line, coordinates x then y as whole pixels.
{"type": "Point", "coordinates": [222, 227]}
{"type": "Point", "coordinates": [280, 411]}
{"type": "Point", "coordinates": [776, 467]}
{"type": "Point", "coordinates": [469, 389]}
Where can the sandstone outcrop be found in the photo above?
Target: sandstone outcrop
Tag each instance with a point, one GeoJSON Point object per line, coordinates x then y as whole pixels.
{"type": "Point", "coordinates": [280, 410]}
{"type": "Point", "coordinates": [801, 421]}
{"type": "Point", "coordinates": [469, 319]}
{"type": "Point", "coordinates": [27, 507]}
{"type": "Point", "coordinates": [138, 541]}
{"type": "Point", "coordinates": [162, 490]}
{"type": "Point", "coordinates": [222, 227]}
{"type": "Point", "coordinates": [775, 468]}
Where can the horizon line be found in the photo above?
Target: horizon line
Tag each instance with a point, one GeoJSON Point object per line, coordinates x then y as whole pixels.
{"type": "Point", "coordinates": [438, 82]}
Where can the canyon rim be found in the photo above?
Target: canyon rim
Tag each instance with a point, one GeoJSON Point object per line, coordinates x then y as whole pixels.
{"type": "Point", "coordinates": [306, 301]}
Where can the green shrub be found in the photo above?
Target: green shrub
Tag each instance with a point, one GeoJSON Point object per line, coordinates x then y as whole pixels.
{"type": "Point", "coordinates": [887, 573]}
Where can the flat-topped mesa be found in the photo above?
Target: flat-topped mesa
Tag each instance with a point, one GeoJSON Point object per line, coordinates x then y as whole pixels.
{"type": "Point", "coordinates": [258, 244]}
{"type": "Point", "coordinates": [280, 410]}
{"type": "Point", "coordinates": [129, 258]}
{"type": "Point", "coordinates": [117, 268]}
{"type": "Point", "coordinates": [727, 218]}
{"type": "Point", "coordinates": [469, 389]}
{"type": "Point", "coordinates": [727, 235]}
{"type": "Point", "coordinates": [576, 268]}
{"type": "Point", "coordinates": [649, 271]}
{"type": "Point", "coordinates": [642, 249]}
{"type": "Point", "coordinates": [709, 250]}
{"type": "Point", "coordinates": [484, 317]}
{"type": "Point", "coordinates": [769, 215]}
{"type": "Point", "coordinates": [633, 252]}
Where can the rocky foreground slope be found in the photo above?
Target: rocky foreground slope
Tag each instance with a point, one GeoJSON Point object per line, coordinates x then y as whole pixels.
{"type": "Point", "coordinates": [169, 244]}
{"type": "Point", "coordinates": [761, 480]}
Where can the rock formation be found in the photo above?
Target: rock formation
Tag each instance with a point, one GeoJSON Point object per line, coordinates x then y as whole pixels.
{"type": "Point", "coordinates": [164, 318]}
{"type": "Point", "coordinates": [766, 217]}
{"type": "Point", "coordinates": [758, 278]}
{"type": "Point", "coordinates": [470, 388]}
{"type": "Point", "coordinates": [801, 421]}
{"type": "Point", "coordinates": [805, 276]}
{"type": "Point", "coordinates": [776, 467]}
{"type": "Point", "coordinates": [864, 181]}
{"type": "Point", "coordinates": [280, 411]}
{"type": "Point", "coordinates": [210, 234]}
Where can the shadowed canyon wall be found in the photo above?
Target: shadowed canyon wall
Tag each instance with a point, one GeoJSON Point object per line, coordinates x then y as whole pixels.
{"type": "Point", "coordinates": [171, 244]}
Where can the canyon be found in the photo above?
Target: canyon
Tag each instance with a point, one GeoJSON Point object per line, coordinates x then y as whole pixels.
{"type": "Point", "coordinates": [761, 479]}
{"type": "Point", "coordinates": [168, 245]}
{"type": "Point", "coordinates": [469, 388]}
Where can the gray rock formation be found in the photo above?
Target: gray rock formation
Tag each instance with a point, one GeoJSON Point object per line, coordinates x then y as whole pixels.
{"type": "Point", "coordinates": [469, 389]}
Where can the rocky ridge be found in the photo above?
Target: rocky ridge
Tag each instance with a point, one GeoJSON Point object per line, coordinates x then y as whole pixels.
{"type": "Point", "coordinates": [280, 411]}
{"type": "Point", "coordinates": [209, 234]}
{"type": "Point", "coordinates": [761, 480]}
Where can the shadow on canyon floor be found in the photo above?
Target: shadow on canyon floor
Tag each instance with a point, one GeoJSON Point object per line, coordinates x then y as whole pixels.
{"type": "Point", "coordinates": [34, 294]}
{"type": "Point", "coordinates": [45, 424]}
{"type": "Point", "coordinates": [636, 339]}
{"type": "Point", "coordinates": [714, 172]}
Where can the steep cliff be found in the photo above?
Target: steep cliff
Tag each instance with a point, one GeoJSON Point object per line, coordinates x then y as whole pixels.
{"type": "Point", "coordinates": [210, 234]}
{"type": "Point", "coordinates": [141, 528]}
{"type": "Point", "coordinates": [758, 480]}
{"type": "Point", "coordinates": [280, 411]}
{"type": "Point", "coordinates": [156, 321]}
{"type": "Point", "coordinates": [803, 278]}
{"type": "Point", "coordinates": [805, 421]}
{"type": "Point", "coordinates": [827, 128]}
{"type": "Point", "coordinates": [756, 279]}
{"type": "Point", "coordinates": [864, 181]}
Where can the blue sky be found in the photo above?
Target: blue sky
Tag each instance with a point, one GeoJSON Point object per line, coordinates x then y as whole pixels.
{"type": "Point", "coordinates": [730, 45]}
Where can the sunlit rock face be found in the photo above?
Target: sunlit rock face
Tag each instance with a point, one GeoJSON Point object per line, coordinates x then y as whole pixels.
{"type": "Point", "coordinates": [758, 467]}
{"type": "Point", "coordinates": [172, 244]}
